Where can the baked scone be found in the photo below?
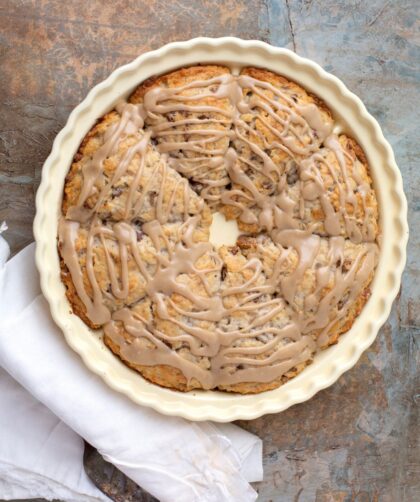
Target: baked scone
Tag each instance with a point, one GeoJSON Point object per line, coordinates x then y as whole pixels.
{"type": "Point", "coordinates": [137, 208]}
{"type": "Point", "coordinates": [190, 114]}
{"type": "Point", "coordinates": [279, 123]}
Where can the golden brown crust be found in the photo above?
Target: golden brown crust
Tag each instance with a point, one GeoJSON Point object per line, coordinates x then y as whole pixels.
{"type": "Point", "coordinates": [346, 323]}
{"type": "Point", "coordinates": [73, 181]}
{"type": "Point", "coordinates": [163, 375]}
{"type": "Point", "coordinates": [370, 203]}
{"type": "Point", "coordinates": [280, 80]}
{"type": "Point", "coordinates": [90, 144]}
{"type": "Point", "coordinates": [355, 150]}
{"type": "Point", "coordinates": [177, 78]}
{"type": "Point", "coordinates": [76, 303]}
{"type": "Point", "coordinates": [256, 388]}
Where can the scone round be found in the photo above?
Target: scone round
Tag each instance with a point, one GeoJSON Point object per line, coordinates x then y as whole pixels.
{"type": "Point", "coordinates": [196, 150]}
{"type": "Point", "coordinates": [262, 124]}
{"type": "Point", "coordinates": [185, 144]}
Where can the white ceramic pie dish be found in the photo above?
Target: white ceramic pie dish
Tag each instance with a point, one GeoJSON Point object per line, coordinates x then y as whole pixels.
{"type": "Point", "coordinates": [353, 118]}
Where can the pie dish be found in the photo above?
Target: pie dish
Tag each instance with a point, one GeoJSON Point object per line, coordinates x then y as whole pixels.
{"type": "Point", "coordinates": [350, 121]}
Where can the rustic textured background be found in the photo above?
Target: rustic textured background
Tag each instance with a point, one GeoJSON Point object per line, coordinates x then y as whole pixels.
{"type": "Point", "coordinates": [358, 440]}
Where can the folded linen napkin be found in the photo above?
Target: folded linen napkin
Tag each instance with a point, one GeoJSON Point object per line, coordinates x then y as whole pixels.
{"type": "Point", "coordinates": [173, 459]}
{"type": "Point", "coordinates": [40, 456]}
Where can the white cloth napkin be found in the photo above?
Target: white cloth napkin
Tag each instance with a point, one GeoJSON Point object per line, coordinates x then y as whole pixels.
{"type": "Point", "coordinates": [39, 455]}
{"type": "Point", "coordinates": [173, 459]}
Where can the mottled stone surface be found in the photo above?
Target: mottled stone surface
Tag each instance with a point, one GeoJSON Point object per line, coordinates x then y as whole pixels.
{"type": "Point", "coordinates": [112, 481]}
{"type": "Point", "coordinates": [358, 440]}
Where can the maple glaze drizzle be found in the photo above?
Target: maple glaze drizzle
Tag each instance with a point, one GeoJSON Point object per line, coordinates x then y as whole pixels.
{"type": "Point", "coordinates": [302, 134]}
